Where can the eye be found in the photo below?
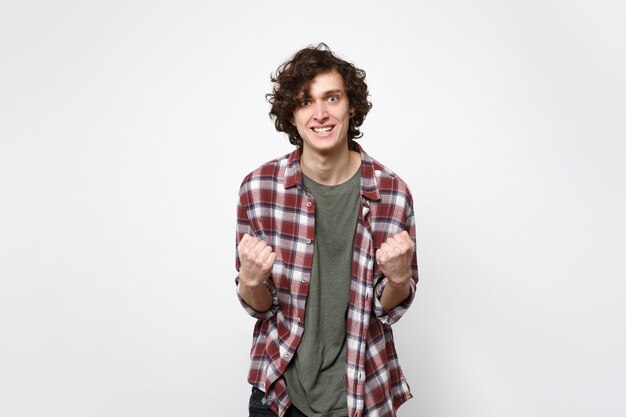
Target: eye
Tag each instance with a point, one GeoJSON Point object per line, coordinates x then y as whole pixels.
{"type": "Point", "coordinates": [332, 99]}
{"type": "Point", "coordinates": [304, 103]}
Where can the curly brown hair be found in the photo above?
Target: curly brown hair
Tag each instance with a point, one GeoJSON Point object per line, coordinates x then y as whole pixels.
{"type": "Point", "coordinates": [295, 76]}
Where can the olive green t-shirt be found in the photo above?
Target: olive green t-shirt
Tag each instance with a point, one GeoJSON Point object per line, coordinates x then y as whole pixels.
{"type": "Point", "coordinates": [316, 376]}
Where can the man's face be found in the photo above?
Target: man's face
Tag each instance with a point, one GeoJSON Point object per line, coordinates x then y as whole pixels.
{"type": "Point", "coordinates": [323, 115]}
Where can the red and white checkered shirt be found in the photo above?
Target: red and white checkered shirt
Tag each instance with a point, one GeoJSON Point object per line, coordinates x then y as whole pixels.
{"type": "Point", "coordinates": [275, 206]}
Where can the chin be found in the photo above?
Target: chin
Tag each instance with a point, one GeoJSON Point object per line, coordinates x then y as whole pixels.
{"type": "Point", "coordinates": [324, 144]}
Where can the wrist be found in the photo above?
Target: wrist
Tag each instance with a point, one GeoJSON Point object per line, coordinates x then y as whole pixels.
{"type": "Point", "coordinates": [398, 287]}
{"type": "Point", "coordinates": [252, 286]}
{"type": "Point", "coordinates": [400, 281]}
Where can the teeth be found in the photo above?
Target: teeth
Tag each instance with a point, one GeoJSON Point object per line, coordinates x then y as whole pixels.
{"type": "Point", "coordinates": [322, 129]}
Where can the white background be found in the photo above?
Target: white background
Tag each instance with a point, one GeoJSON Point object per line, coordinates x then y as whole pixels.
{"type": "Point", "coordinates": [127, 126]}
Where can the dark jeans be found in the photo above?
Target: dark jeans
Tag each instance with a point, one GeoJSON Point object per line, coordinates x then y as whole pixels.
{"type": "Point", "coordinates": [257, 407]}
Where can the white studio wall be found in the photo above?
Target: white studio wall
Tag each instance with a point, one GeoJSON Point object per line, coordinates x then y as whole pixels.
{"type": "Point", "coordinates": [126, 128]}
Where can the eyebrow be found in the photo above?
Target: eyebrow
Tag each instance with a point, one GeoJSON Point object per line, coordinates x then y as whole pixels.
{"type": "Point", "coordinates": [336, 92]}
{"type": "Point", "coordinates": [306, 96]}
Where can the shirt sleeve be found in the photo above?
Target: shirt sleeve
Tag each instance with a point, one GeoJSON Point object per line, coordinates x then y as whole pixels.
{"type": "Point", "coordinates": [396, 313]}
{"type": "Point", "coordinates": [243, 227]}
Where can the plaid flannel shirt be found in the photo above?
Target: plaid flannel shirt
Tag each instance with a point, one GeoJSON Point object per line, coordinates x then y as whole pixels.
{"type": "Point", "coordinates": [275, 206]}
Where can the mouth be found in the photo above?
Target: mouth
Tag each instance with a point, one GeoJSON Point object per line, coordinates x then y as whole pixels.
{"type": "Point", "coordinates": [323, 129]}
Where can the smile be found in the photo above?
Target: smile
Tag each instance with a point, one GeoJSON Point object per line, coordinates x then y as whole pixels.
{"type": "Point", "coordinates": [323, 129]}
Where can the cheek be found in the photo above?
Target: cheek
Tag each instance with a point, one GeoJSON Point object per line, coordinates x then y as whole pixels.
{"type": "Point", "coordinates": [301, 129]}
{"type": "Point", "coordinates": [299, 119]}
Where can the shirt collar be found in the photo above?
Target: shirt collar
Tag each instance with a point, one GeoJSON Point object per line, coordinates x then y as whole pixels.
{"type": "Point", "coordinates": [369, 183]}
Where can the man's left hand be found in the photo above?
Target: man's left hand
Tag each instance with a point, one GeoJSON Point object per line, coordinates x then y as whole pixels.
{"type": "Point", "coordinates": [394, 258]}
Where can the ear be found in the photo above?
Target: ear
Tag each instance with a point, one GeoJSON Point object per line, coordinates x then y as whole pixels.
{"type": "Point", "coordinates": [292, 121]}
{"type": "Point", "coordinates": [352, 111]}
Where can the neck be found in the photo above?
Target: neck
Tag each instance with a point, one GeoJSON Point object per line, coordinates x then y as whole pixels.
{"type": "Point", "coordinates": [330, 169]}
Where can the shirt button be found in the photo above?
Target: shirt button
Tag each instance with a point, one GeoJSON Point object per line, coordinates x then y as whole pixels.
{"type": "Point", "coordinates": [303, 280]}
{"type": "Point", "coordinates": [298, 319]}
{"type": "Point", "coordinates": [287, 355]}
{"type": "Point", "coordinates": [308, 241]}
{"type": "Point", "coordinates": [308, 204]}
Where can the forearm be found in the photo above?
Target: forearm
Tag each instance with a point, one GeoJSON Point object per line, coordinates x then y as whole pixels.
{"type": "Point", "coordinates": [393, 295]}
{"type": "Point", "coordinates": [258, 297]}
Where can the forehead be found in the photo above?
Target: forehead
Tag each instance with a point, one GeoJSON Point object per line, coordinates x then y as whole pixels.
{"type": "Point", "coordinates": [325, 82]}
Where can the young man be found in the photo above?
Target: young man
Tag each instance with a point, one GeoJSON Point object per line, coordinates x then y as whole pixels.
{"type": "Point", "coordinates": [325, 253]}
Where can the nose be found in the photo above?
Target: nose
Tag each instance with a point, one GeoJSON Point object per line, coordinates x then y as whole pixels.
{"type": "Point", "coordinates": [320, 111]}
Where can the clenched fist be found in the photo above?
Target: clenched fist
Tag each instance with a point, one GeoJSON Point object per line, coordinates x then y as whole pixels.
{"type": "Point", "coordinates": [256, 260]}
{"type": "Point", "coordinates": [394, 258]}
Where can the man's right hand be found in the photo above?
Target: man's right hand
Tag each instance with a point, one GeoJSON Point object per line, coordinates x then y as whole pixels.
{"type": "Point", "coordinates": [256, 260]}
